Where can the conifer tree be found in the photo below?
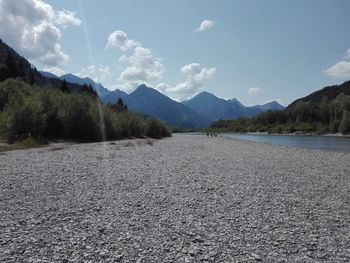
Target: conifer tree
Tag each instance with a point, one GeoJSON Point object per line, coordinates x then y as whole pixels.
{"type": "Point", "coordinates": [64, 86]}
{"type": "Point", "coordinates": [11, 65]}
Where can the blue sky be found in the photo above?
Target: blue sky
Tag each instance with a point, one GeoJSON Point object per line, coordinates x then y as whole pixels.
{"type": "Point", "coordinates": [255, 51]}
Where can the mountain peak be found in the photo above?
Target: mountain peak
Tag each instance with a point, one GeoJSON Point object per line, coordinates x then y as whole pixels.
{"type": "Point", "coordinates": [272, 105]}
{"type": "Point", "coordinates": [205, 93]}
{"type": "Point", "coordinates": [151, 102]}
{"type": "Point", "coordinates": [235, 101]}
{"type": "Point", "coordinates": [142, 86]}
{"type": "Point", "coordinates": [68, 75]}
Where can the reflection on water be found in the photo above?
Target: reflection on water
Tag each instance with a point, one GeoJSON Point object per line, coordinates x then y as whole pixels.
{"type": "Point", "coordinates": [340, 144]}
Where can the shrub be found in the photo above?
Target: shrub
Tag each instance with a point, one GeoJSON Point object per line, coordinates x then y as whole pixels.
{"type": "Point", "coordinates": [156, 128]}
{"type": "Point", "coordinates": [81, 118]}
{"type": "Point", "coordinates": [344, 126]}
{"type": "Point", "coordinates": [136, 125]}
{"type": "Point", "coordinates": [23, 119]}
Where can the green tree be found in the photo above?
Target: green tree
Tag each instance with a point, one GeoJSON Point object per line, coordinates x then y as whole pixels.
{"type": "Point", "coordinates": [344, 126]}
{"type": "Point", "coordinates": [4, 72]}
{"type": "Point", "coordinates": [89, 90]}
{"type": "Point", "coordinates": [64, 86]}
{"type": "Point", "coordinates": [23, 119]}
{"type": "Point", "coordinates": [11, 64]}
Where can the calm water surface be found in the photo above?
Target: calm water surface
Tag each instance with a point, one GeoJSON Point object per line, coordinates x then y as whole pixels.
{"type": "Point", "coordinates": [340, 144]}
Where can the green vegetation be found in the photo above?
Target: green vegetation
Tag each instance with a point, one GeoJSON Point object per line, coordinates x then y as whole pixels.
{"type": "Point", "coordinates": [322, 117]}
{"type": "Point", "coordinates": [155, 128]}
{"type": "Point", "coordinates": [37, 113]}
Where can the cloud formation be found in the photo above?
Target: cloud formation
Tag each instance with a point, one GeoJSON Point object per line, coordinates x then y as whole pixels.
{"type": "Point", "coordinates": [205, 25]}
{"type": "Point", "coordinates": [255, 91]}
{"type": "Point", "coordinates": [141, 66]}
{"type": "Point", "coordinates": [98, 74]}
{"type": "Point", "coordinates": [341, 69]}
{"type": "Point", "coordinates": [347, 56]}
{"type": "Point", "coordinates": [196, 78]}
{"type": "Point", "coordinates": [66, 18]}
{"type": "Point", "coordinates": [119, 39]}
{"type": "Point", "coordinates": [33, 28]}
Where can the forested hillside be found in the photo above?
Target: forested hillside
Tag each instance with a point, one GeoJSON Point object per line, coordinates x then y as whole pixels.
{"type": "Point", "coordinates": [327, 110]}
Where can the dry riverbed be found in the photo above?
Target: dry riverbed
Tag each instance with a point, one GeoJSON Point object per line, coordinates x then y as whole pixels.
{"type": "Point", "coordinates": [183, 199]}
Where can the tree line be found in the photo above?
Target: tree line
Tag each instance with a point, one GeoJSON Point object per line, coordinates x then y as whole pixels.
{"type": "Point", "coordinates": [323, 117]}
{"type": "Point", "coordinates": [45, 112]}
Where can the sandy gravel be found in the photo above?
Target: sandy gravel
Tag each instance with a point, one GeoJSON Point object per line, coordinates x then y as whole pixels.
{"type": "Point", "coordinates": [184, 199]}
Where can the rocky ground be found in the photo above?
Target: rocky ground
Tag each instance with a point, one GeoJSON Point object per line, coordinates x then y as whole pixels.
{"type": "Point", "coordinates": [184, 199]}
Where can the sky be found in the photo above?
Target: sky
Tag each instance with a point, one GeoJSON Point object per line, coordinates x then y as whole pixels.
{"type": "Point", "coordinates": [252, 50]}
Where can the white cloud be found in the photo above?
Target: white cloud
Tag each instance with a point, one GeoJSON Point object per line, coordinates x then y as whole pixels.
{"type": "Point", "coordinates": [98, 74]}
{"type": "Point", "coordinates": [347, 56]}
{"type": "Point", "coordinates": [205, 25]}
{"type": "Point", "coordinates": [255, 91]}
{"type": "Point", "coordinates": [162, 87]}
{"type": "Point", "coordinates": [66, 18]}
{"type": "Point", "coordinates": [55, 70]}
{"type": "Point", "coordinates": [196, 78]}
{"type": "Point", "coordinates": [141, 66]}
{"type": "Point", "coordinates": [32, 27]}
{"type": "Point", "coordinates": [119, 39]}
{"type": "Point", "coordinates": [339, 70]}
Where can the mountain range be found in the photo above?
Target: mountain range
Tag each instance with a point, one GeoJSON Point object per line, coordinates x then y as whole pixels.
{"type": "Point", "coordinates": [197, 112]}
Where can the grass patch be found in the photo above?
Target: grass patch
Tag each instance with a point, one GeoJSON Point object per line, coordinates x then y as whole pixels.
{"type": "Point", "coordinates": [57, 149]}
{"type": "Point", "coordinates": [150, 142]}
{"type": "Point", "coordinates": [20, 145]}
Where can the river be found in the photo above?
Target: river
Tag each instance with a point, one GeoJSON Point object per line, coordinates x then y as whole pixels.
{"type": "Point", "coordinates": [339, 144]}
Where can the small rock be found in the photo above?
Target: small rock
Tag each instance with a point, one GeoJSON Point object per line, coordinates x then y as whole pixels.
{"type": "Point", "coordinates": [119, 258]}
{"type": "Point", "coordinates": [256, 256]}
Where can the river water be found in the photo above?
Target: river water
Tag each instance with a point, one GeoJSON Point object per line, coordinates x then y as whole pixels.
{"type": "Point", "coordinates": [340, 144]}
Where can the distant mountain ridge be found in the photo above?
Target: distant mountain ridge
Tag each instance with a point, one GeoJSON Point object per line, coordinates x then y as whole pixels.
{"type": "Point", "coordinates": [151, 102]}
{"type": "Point", "coordinates": [106, 95]}
{"type": "Point", "coordinates": [101, 91]}
{"type": "Point", "coordinates": [144, 100]}
{"type": "Point", "coordinates": [215, 108]}
{"type": "Point", "coordinates": [273, 105]}
{"type": "Point", "coordinates": [205, 106]}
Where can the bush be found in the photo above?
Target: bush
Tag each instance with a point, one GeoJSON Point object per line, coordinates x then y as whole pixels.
{"type": "Point", "coordinates": [156, 128]}
{"type": "Point", "coordinates": [4, 72]}
{"type": "Point", "coordinates": [344, 126]}
{"type": "Point", "coordinates": [136, 125]}
{"type": "Point", "coordinates": [81, 118]}
{"type": "Point", "coordinates": [23, 119]}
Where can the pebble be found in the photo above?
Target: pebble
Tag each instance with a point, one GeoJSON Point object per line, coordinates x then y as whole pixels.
{"type": "Point", "coordinates": [188, 198]}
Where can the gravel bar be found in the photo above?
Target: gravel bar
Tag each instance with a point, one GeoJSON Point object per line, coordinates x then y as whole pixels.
{"type": "Point", "coordinates": [188, 198]}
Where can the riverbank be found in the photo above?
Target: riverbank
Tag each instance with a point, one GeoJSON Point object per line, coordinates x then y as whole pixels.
{"type": "Point", "coordinates": [303, 134]}
{"type": "Point", "coordinates": [182, 199]}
